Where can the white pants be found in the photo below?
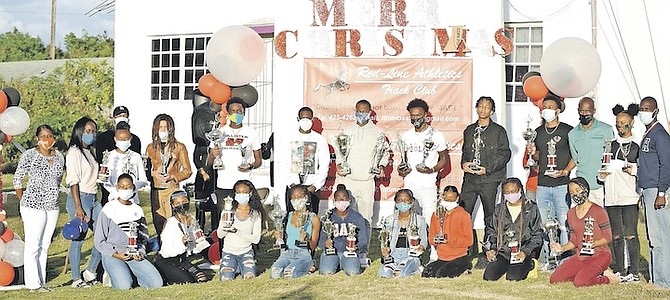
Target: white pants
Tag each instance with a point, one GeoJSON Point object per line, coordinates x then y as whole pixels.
{"type": "Point", "coordinates": [363, 192]}
{"type": "Point", "coordinates": [426, 198]}
{"type": "Point", "coordinates": [38, 228]}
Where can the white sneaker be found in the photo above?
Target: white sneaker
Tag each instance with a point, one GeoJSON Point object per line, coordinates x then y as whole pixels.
{"type": "Point", "coordinates": [89, 276]}
{"type": "Point", "coordinates": [106, 281]}
{"type": "Point", "coordinates": [80, 284]}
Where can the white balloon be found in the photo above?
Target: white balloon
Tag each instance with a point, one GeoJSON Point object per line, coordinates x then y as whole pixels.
{"type": "Point", "coordinates": [14, 121]}
{"type": "Point", "coordinates": [14, 253]}
{"type": "Point", "coordinates": [236, 55]}
{"type": "Point", "coordinates": [570, 67]}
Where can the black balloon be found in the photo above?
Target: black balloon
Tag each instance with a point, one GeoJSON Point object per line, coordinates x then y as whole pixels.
{"type": "Point", "coordinates": [247, 93]}
{"type": "Point", "coordinates": [3, 137]}
{"type": "Point", "coordinates": [529, 74]}
{"type": "Point", "coordinates": [2, 228]}
{"type": "Point", "coordinates": [13, 96]}
{"type": "Point", "coordinates": [200, 125]}
{"type": "Point", "coordinates": [199, 98]}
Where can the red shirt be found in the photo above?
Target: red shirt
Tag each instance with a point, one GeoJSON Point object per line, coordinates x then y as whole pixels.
{"type": "Point", "coordinates": [457, 229]}
{"type": "Point", "coordinates": [601, 227]}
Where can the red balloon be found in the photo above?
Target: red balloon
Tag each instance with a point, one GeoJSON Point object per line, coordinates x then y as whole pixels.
{"type": "Point", "coordinates": [206, 83]}
{"type": "Point", "coordinates": [7, 236]}
{"type": "Point", "coordinates": [534, 88]}
{"type": "Point", "coordinates": [538, 103]}
{"type": "Point", "coordinates": [3, 101]}
{"type": "Point", "coordinates": [215, 236]}
{"type": "Point", "coordinates": [220, 93]}
{"type": "Point", "coordinates": [6, 273]}
{"type": "Point", "coordinates": [214, 254]}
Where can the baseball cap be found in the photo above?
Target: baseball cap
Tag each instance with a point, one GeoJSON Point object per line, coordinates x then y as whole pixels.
{"type": "Point", "coordinates": [75, 229]}
{"type": "Point", "coordinates": [120, 110]}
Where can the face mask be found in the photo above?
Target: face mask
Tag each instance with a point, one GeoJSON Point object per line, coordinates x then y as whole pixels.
{"type": "Point", "coordinates": [579, 199]}
{"type": "Point", "coordinates": [362, 118]}
{"type": "Point", "coordinates": [46, 143]}
{"type": "Point", "coordinates": [342, 205]}
{"type": "Point", "coordinates": [181, 208]}
{"type": "Point", "coordinates": [403, 207]}
{"type": "Point", "coordinates": [163, 135]}
{"type": "Point", "coordinates": [123, 145]}
{"type": "Point", "coordinates": [88, 138]}
{"type": "Point", "coordinates": [646, 117]}
{"type": "Point", "coordinates": [126, 194]}
{"type": "Point", "coordinates": [585, 119]}
{"type": "Point", "coordinates": [513, 197]}
{"type": "Point", "coordinates": [418, 122]}
{"type": "Point", "coordinates": [242, 199]}
{"type": "Point", "coordinates": [548, 114]}
{"type": "Point", "coordinates": [623, 130]}
{"type": "Point", "coordinates": [449, 205]}
{"type": "Point", "coordinates": [305, 124]}
{"type": "Point", "coordinates": [299, 204]}
{"type": "Point", "coordinates": [120, 119]}
{"type": "Point", "coordinates": [236, 118]}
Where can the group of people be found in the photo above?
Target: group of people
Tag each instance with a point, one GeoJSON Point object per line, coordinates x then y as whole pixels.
{"type": "Point", "coordinates": [596, 208]}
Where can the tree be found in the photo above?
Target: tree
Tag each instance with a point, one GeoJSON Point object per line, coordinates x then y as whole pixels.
{"type": "Point", "coordinates": [88, 46]}
{"type": "Point", "coordinates": [17, 46]}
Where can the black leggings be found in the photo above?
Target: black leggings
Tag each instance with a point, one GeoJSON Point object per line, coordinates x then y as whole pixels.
{"type": "Point", "coordinates": [623, 220]}
{"type": "Point", "coordinates": [158, 220]}
{"type": "Point", "coordinates": [501, 265]}
{"type": "Point", "coordinates": [177, 270]}
{"type": "Point", "coordinates": [451, 269]}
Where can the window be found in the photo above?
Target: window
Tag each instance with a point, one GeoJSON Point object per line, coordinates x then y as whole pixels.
{"type": "Point", "coordinates": [176, 65]}
{"type": "Point", "coordinates": [525, 57]}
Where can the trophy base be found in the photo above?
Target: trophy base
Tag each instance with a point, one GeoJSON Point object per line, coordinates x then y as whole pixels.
{"type": "Point", "coordinates": [229, 229]}
{"type": "Point", "coordinates": [605, 170]}
{"type": "Point", "coordinates": [349, 254]}
{"type": "Point", "coordinates": [587, 252]}
{"type": "Point", "coordinates": [514, 260]}
{"type": "Point", "coordinates": [421, 166]}
{"type": "Point", "coordinates": [244, 166]}
{"type": "Point", "coordinates": [218, 167]}
{"type": "Point", "coordinates": [387, 260]}
{"type": "Point", "coordinates": [414, 253]}
{"type": "Point", "coordinates": [403, 167]}
{"type": "Point", "coordinates": [475, 167]}
{"type": "Point", "coordinates": [439, 240]}
{"type": "Point", "coordinates": [301, 244]}
{"type": "Point", "coordinates": [550, 172]}
{"type": "Point", "coordinates": [375, 171]}
{"type": "Point", "coordinates": [279, 246]}
{"type": "Point", "coordinates": [329, 251]}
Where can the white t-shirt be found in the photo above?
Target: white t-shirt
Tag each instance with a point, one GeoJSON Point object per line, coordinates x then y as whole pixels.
{"type": "Point", "coordinates": [120, 163]}
{"type": "Point", "coordinates": [231, 154]}
{"type": "Point", "coordinates": [414, 145]}
{"type": "Point", "coordinates": [308, 153]}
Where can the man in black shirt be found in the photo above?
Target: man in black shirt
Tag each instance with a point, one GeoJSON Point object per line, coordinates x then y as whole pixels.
{"type": "Point", "coordinates": [105, 142]}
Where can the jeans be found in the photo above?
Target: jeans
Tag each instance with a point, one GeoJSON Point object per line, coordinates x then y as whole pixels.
{"type": "Point", "coordinates": [232, 264]}
{"type": "Point", "coordinates": [38, 228]}
{"type": "Point", "coordinates": [553, 198]}
{"type": "Point", "coordinates": [623, 220]}
{"type": "Point", "coordinates": [403, 264]}
{"type": "Point", "coordinates": [122, 279]}
{"type": "Point", "coordinates": [330, 263]}
{"type": "Point", "coordinates": [658, 226]}
{"type": "Point", "coordinates": [91, 208]}
{"type": "Point", "coordinates": [292, 263]}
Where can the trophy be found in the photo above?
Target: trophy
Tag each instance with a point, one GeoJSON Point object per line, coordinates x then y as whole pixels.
{"type": "Point", "coordinates": [214, 137]}
{"type": "Point", "coordinates": [588, 247]}
{"type": "Point", "coordinates": [227, 215]}
{"type": "Point", "coordinates": [551, 158]}
{"type": "Point", "coordinates": [132, 240]}
{"type": "Point", "coordinates": [302, 222]}
{"type": "Point", "coordinates": [551, 226]}
{"type": "Point", "coordinates": [351, 241]}
{"type": "Point", "coordinates": [145, 162]}
{"type": "Point", "coordinates": [414, 239]}
{"type": "Point", "coordinates": [439, 238]}
{"type": "Point", "coordinates": [328, 229]}
{"type": "Point", "coordinates": [103, 175]}
{"type": "Point", "coordinates": [607, 157]}
{"type": "Point", "coordinates": [165, 161]}
{"type": "Point", "coordinates": [196, 238]}
{"type": "Point", "coordinates": [529, 135]}
{"type": "Point", "coordinates": [477, 145]}
{"type": "Point", "coordinates": [402, 152]}
{"type": "Point", "coordinates": [244, 150]}
{"type": "Point", "coordinates": [381, 147]}
{"type": "Point", "coordinates": [278, 215]}
{"type": "Point", "coordinates": [384, 240]}
{"type": "Point", "coordinates": [625, 150]}
{"type": "Point", "coordinates": [428, 144]}
{"type": "Point", "coordinates": [342, 143]}
{"type": "Point", "coordinates": [514, 247]}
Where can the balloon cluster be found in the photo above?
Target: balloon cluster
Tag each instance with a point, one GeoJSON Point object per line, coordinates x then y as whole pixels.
{"type": "Point", "coordinates": [235, 56]}
{"type": "Point", "coordinates": [11, 253]}
{"type": "Point", "coordinates": [13, 119]}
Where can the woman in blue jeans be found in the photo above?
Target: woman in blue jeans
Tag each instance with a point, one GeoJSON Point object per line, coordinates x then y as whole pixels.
{"type": "Point", "coordinates": [403, 250]}
{"type": "Point", "coordinates": [301, 233]}
{"type": "Point", "coordinates": [82, 173]}
{"type": "Point", "coordinates": [238, 254]}
{"type": "Point", "coordinates": [120, 234]}
{"type": "Point", "coordinates": [348, 239]}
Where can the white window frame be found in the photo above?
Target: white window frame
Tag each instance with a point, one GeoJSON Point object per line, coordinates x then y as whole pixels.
{"type": "Point", "coordinates": [514, 88]}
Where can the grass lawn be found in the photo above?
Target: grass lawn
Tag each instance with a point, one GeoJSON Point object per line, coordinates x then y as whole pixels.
{"type": "Point", "coordinates": [338, 286]}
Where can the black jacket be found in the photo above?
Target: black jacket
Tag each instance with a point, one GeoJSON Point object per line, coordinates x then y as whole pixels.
{"type": "Point", "coordinates": [531, 231]}
{"type": "Point", "coordinates": [494, 157]}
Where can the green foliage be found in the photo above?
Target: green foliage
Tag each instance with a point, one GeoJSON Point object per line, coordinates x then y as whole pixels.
{"type": "Point", "coordinates": [79, 88]}
{"type": "Point", "coordinates": [88, 46]}
{"type": "Point", "coordinates": [17, 46]}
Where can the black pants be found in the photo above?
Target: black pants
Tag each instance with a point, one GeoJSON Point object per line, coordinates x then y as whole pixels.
{"type": "Point", "coordinates": [623, 220]}
{"type": "Point", "coordinates": [501, 265]}
{"type": "Point", "coordinates": [312, 204]}
{"type": "Point", "coordinates": [176, 270]}
{"type": "Point", "coordinates": [451, 269]}
{"type": "Point", "coordinates": [105, 194]}
{"type": "Point", "coordinates": [214, 213]}
{"type": "Point", "coordinates": [487, 194]}
{"type": "Point", "coordinates": [158, 220]}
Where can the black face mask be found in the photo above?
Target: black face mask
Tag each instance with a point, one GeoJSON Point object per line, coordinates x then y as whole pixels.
{"type": "Point", "coordinates": [625, 128]}
{"type": "Point", "coordinates": [181, 208]}
{"type": "Point", "coordinates": [418, 122]}
{"type": "Point", "coordinates": [585, 119]}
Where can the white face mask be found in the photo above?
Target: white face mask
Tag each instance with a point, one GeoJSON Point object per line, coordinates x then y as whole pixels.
{"type": "Point", "coordinates": [646, 117]}
{"type": "Point", "coordinates": [123, 145]}
{"type": "Point", "coordinates": [449, 205]}
{"type": "Point", "coordinates": [163, 135]}
{"type": "Point", "coordinates": [305, 124]}
{"type": "Point", "coordinates": [299, 204]}
{"type": "Point", "coordinates": [120, 119]}
{"type": "Point", "coordinates": [126, 194]}
{"type": "Point", "coordinates": [548, 114]}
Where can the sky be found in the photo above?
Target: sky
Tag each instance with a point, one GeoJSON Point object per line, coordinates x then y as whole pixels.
{"type": "Point", "coordinates": [34, 17]}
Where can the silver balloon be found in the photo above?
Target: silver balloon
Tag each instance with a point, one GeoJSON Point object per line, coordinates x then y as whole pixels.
{"type": "Point", "coordinates": [3, 248]}
{"type": "Point", "coordinates": [247, 93]}
{"type": "Point", "coordinates": [14, 253]}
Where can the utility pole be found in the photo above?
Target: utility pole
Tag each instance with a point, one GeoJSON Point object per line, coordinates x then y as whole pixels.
{"type": "Point", "coordinates": [52, 47]}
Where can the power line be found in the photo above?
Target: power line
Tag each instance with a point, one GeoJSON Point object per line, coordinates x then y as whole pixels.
{"type": "Point", "coordinates": [39, 12]}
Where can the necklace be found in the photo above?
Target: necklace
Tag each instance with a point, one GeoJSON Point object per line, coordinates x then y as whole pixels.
{"type": "Point", "coordinates": [547, 129]}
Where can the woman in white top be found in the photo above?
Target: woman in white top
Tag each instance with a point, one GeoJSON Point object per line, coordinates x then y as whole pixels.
{"type": "Point", "coordinates": [238, 256]}
{"type": "Point", "coordinates": [123, 160]}
{"type": "Point", "coordinates": [179, 244]}
{"type": "Point", "coordinates": [82, 174]}
{"type": "Point", "coordinates": [39, 203]}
